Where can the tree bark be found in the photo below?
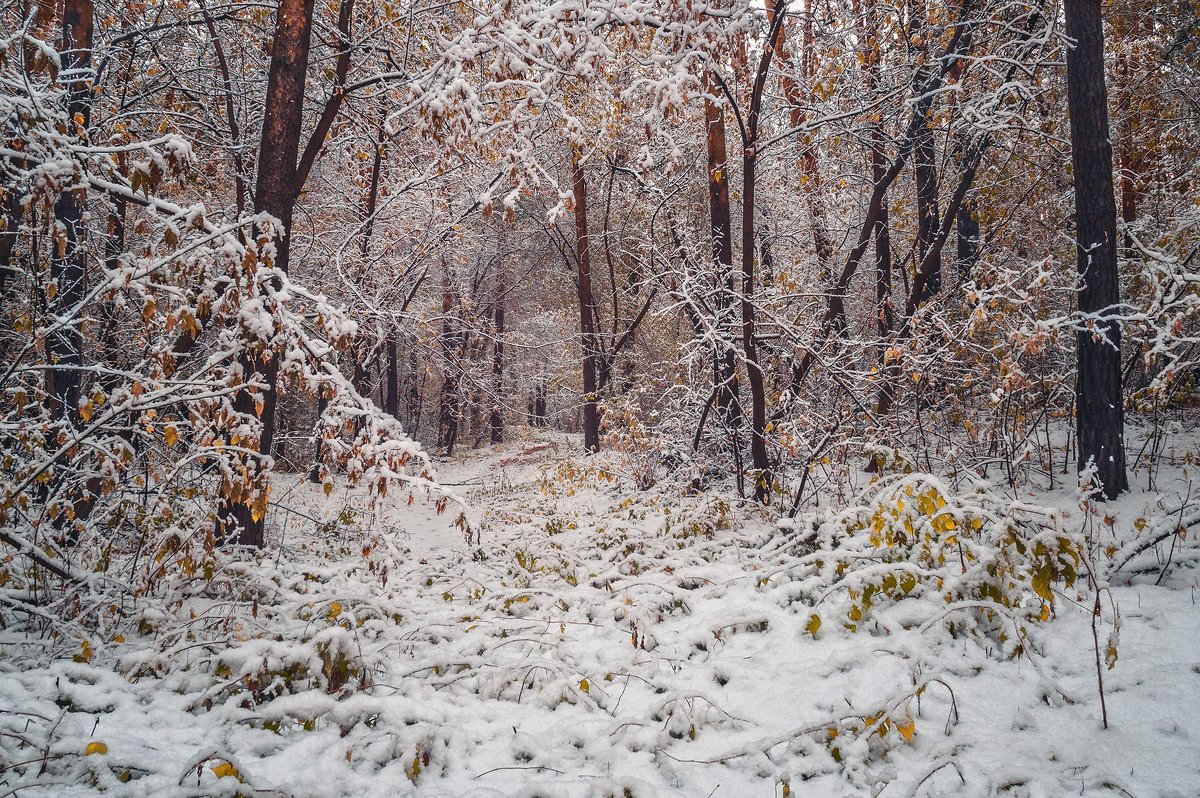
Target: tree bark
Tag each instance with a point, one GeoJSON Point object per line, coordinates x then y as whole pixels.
{"type": "Point", "coordinates": [391, 396]}
{"type": "Point", "coordinates": [758, 392]}
{"type": "Point", "coordinates": [13, 213]}
{"type": "Point", "coordinates": [925, 169]}
{"type": "Point", "coordinates": [725, 382]}
{"type": "Point", "coordinates": [587, 308]}
{"type": "Point", "coordinates": [450, 411]}
{"type": "Point", "coordinates": [967, 223]}
{"type": "Point", "coordinates": [884, 310]}
{"type": "Point", "coordinates": [275, 193]}
{"type": "Point", "coordinates": [496, 419]}
{"type": "Point", "coordinates": [1100, 417]}
{"type": "Point", "coordinates": [68, 261]}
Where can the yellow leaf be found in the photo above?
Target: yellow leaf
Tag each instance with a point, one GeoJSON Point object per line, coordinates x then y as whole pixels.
{"type": "Point", "coordinates": [96, 747]}
{"type": "Point", "coordinates": [813, 625]}
{"type": "Point", "coordinates": [906, 728]}
{"type": "Point", "coordinates": [584, 686]}
{"type": "Point", "coordinates": [170, 435]}
{"type": "Point", "coordinates": [335, 609]}
{"type": "Point", "coordinates": [226, 769]}
{"type": "Point", "coordinates": [1041, 583]}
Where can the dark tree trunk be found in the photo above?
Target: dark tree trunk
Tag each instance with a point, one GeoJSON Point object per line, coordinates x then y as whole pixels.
{"type": "Point", "coordinates": [967, 224]}
{"type": "Point", "coordinates": [496, 419]}
{"type": "Point", "coordinates": [1100, 418]}
{"type": "Point", "coordinates": [391, 396]}
{"type": "Point", "coordinates": [13, 213]}
{"type": "Point", "coordinates": [275, 193]}
{"type": "Point", "coordinates": [925, 171]}
{"type": "Point", "coordinates": [67, 262]}
{"type": "Point", "coordinates": [416, 379]}
{"type": "Point", "coordinates": [450, 412]}
{"type": "Point", "coordinates": [725, 382]}
{"type": "Point", "coordinates": [587, 309]}
{"type": "Point", "coordinates": [883, 251]}
{"type": "Point", "coordinates": [314, 471]}
{"type": "Point", "coordinates": [884, 311]}
{"type": "Point", "coordinates": [538, 405]}
{"type": "Point", "coordinates": [758, 390]}
{"type": "Point", "coordinates": [927, 207]}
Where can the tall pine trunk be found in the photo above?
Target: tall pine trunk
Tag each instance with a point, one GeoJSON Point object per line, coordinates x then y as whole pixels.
{"type": "Point", "coordinates": [1100, 418]}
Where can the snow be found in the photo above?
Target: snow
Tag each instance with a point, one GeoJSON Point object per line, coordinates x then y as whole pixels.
{"type": "Point", "coordinates": [593, 642]}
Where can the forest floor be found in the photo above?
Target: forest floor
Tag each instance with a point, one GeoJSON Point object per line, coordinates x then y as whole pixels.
{"type": "Point", "coordinates": [593, 640]}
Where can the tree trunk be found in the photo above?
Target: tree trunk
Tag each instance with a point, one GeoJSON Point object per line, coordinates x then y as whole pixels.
{"type": "Point", "coordinates": [274, 193]}
{"type": "Point", "coordinates": [587, 308]}
{"type": "Point", "coordinates": [725, 382]}
{"type": "Point", "coordinates": [416, 379]}
{"type": "Point", "coordinates": [67, 262]}
{"type": "Point", "coordinates": [1100, 417]}
{"type": "Point", "coordinates": [391, 396]}
{"type": "Point", "coordinates": [758, 390]}
{"type": "Point", "coordinates": [967, 224]}
{"type": "Point", "coordinates": [538, 405]}
{"type": "Point", "coordinates": [13, 213]}
{"type": "Point", "coordinates": [884, 310]}
{"type": "Point", "coordinates": [496, 419]}
{"type": "Point", "coordinates": [448, 415]}
{"type": "Point", "coordinates": [925, 169]}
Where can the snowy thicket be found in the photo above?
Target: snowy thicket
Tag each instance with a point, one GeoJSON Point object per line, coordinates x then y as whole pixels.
{"type": "Point", "coordinates": [933, 639]}
{"type": "Point", "coordinates": [305, 304]}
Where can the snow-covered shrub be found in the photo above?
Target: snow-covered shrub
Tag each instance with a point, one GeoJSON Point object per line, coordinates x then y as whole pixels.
{"type": "Point", "coordinates": [913, 553]}
{"type": "Point", "coordinates": [111, 485]}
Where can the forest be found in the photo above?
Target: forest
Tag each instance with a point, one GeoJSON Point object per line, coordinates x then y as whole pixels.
{"type": "Point", "coordinates": [599, 398]}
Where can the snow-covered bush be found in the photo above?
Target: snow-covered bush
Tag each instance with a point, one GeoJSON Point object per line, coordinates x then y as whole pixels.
{"type": "Point", "coordinates": [912, 552]}
{"type": "Point", "coordinates": [134, 363]}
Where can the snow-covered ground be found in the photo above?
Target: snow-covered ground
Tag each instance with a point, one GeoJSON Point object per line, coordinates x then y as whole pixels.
{"type": "Point", "coordinates": [591, 640]}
